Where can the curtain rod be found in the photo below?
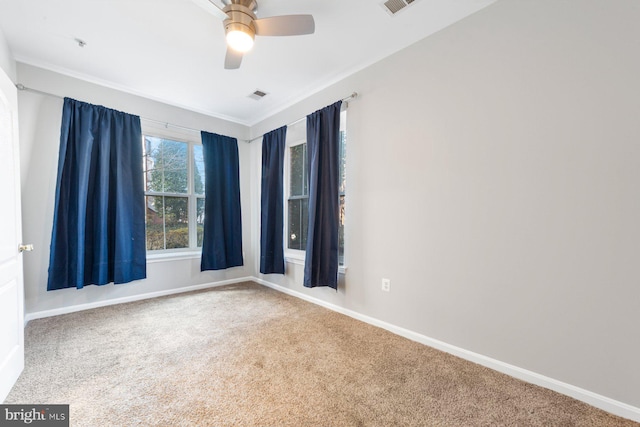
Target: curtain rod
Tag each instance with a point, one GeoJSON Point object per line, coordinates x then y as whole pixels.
{"type": "Point", "coordinates": [353, 95]}
{"type": "Point", "coordinates": [20, 86]}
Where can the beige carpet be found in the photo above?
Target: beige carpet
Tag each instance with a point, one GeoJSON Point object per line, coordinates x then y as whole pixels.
{"type": "Point", "coordinates": [245, 355]}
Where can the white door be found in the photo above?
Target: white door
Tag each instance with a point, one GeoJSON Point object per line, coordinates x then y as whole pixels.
{"type": "Point", "coordinates": [11, 286]}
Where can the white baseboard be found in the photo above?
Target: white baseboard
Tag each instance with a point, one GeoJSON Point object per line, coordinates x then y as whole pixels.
{"type": "Point", "coordinates": [602, 402]}
{"type": "Point", "coordinates": [80, 307]}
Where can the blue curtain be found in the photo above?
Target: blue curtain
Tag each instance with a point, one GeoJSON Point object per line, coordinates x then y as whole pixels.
{"type": "Point", "coordinates": [98, 224]}
{"type": "Point", "coordinates": [271, 202]}
{"type": "Point", "coordinates": [222, 241]}
{"type": "Point", "coordinates": [323, 143]}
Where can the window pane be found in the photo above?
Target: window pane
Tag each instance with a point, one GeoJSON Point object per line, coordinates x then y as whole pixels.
{"type": "Point", "coordinates": [200, 221]}
{"type": "Point", "coordinates": [198, 170]}
{"type": "Point", "coordinates": [304, 220]}
{"type": "Point", "coordinates": [343, 184]}
{"type": "Point", "coordinates": [342, 180]}
{"type": "Point", "coordinates": [152, 176]}
{"type": "Point", "coordinates": [341, 232]}
{"type": "Point", "coordinates": [298, 223]}
{"type": "Point", "coordinates": [294, 224]}
{"type": "Point", "coordinates": [305, 170]}
{"type": "Point", "coordinates": [176, 214]}
{"type": "Point", "coordinates": [167, 222]}
{"type": "Point", "coordinates": [298, 178]}
{"type": "Point", "coordinates": [155, 223]}
{"type": "Point", "coordinates": [165, 165]}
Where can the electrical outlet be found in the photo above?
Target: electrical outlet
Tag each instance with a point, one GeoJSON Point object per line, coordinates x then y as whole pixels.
{"type": "Point", "coordinates": [386, 285]}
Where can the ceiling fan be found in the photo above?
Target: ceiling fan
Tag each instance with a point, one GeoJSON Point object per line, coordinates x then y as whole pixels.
{"type": "Point", "coordinates": [241, 25]}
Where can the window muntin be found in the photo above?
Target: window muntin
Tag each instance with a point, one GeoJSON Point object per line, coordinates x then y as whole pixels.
{"type": "Point", "coordinates": [198, 169]}
{"type": "Point", "coordinates": [174, 193]}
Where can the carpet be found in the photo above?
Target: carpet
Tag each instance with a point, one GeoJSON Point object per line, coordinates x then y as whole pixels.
{"type": "Point", "coordinates": [246, 355]}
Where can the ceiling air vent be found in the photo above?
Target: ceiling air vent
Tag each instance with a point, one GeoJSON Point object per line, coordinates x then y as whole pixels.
{"type": "Point", "coordinates": [258, 95]}
{"type": "Point", "coordinates": [394, 6]}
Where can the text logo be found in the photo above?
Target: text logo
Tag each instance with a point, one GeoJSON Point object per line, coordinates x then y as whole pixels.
{"type": "Point", "coordinates": [34, 415]}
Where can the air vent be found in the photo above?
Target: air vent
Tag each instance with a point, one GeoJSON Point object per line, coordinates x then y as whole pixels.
{"type": "Point", "coordinates": [258, 95]}
{"type": "Point", "coordinates": [394, 6]}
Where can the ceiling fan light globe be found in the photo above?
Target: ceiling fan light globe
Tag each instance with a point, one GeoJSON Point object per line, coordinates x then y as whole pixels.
{"type": "Point", "coordinates": [239, 41]}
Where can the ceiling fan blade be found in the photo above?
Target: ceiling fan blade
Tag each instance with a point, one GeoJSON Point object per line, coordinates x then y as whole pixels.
{"type": "Point", "coordinates": [212, 8]}
{"type": "Point", "coordinates": [232, 60]}
{"type": "Point", "coordinates": [285, 25]}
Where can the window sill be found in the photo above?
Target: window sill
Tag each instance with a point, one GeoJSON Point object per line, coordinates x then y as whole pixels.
{"type": "Point", "coordinates": [292, 259]}
{"type": "Point", "coordinates": [172, 256]}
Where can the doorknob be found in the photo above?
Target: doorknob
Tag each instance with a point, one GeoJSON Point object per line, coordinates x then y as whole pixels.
{"type": "Point", "coordinates": [25, 248]}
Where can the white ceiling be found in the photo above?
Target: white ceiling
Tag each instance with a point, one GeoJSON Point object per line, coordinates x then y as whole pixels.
{"type": "Point", "coordinates": [173, 51]}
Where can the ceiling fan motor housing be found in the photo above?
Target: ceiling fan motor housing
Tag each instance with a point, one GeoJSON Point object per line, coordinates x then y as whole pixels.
{"type": "Point", "coordinates": [250, 4]}
{"type": "Point", "coordinates": [240, 16]}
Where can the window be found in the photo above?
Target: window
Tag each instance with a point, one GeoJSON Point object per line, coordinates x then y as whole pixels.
{"type": "Point", "coordinates": [174, 193]}
{"type": "Point", "coordinates": [297, 210]}
{"type": "Point", "coordinates": [298, 203]}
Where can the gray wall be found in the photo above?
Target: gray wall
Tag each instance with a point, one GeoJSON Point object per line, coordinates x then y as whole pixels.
{"type": "Point", "coordinates": [493, 174]}
{"type": "Point", "coordinates": [39, 117]}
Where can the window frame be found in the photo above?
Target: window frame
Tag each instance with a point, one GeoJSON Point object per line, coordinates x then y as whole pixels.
{"type": "Point", "coordinates": [192, 139]}
{"type": "Point", "coordinates": [296, 256]}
